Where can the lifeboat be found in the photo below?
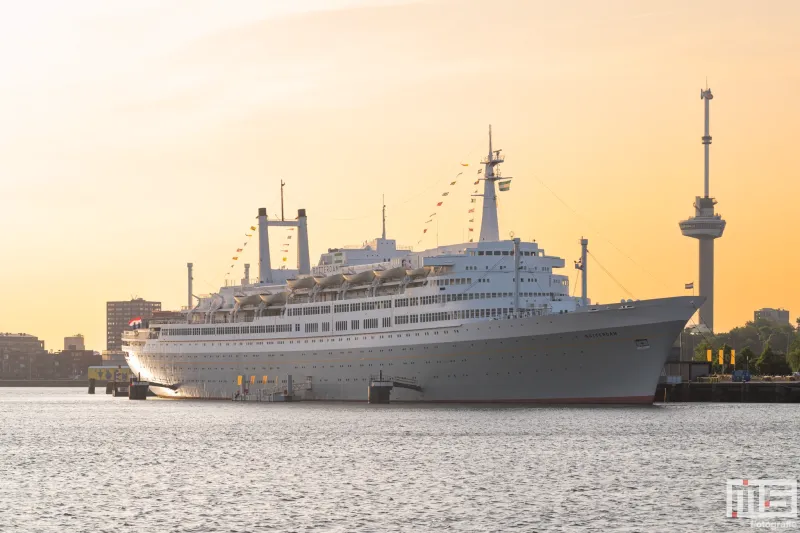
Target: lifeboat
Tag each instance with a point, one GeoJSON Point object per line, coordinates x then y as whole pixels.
{"type": "Point", "coordinates": [274, 299]}
{"type": "Point", "coordinates": [302, 283]}
{"type": "Point", "coordinates": [361, 277]}
{"type": "Point", "coordinates": [391, 274]}
{"type": "Point", "coordinates": [334, 280]}
{"type": "Point", "coordinates": [418, 272]}
{"type": "Point", "coordinates": [252, 299]}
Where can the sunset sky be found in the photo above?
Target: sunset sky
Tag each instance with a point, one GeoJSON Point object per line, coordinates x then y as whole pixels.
{"type": "Point", "coordinates": [137, 136]}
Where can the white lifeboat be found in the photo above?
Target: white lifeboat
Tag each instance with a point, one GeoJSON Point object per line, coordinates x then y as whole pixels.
{"type": "Point", "coordinates": [334, 280]}
{"type": "Point", "coordinates": [390, 274]}
{"type": "Point", "coordinates": [302, 283]}
{"type": "Point", "coordinates": [251, 299]}
{"type": "Point", "coordinates": [418, 272]}
{"type": "Point", "coordinates": [274, 299]}
{"type": "Point", "coordinates": [361, 277]}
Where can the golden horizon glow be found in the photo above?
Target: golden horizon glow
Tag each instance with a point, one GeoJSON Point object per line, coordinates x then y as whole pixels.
{"type": "Point", "coordinates": [139, 136]}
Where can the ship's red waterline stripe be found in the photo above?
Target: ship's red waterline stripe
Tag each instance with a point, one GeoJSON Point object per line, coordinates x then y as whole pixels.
{"type": "Point", "coordinates": [628, 400]}
{"type": "Point", "coordinates": [623, 400]}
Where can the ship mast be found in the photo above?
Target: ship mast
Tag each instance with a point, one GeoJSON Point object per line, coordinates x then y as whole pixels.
{"type": "Point", "coordinates": [282, 184]}
{"type": "Point", "coordinates": [383, 217]}
{"type": "Point", "coordinates": [490, 230]}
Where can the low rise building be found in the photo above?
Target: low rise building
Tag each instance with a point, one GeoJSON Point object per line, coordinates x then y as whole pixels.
{"type": "Point", "coordinates": [19, 356]}
{"type": "Point", "coordinates": [779, 316]}
{"type": "Point", "coordinates": [75, 342]}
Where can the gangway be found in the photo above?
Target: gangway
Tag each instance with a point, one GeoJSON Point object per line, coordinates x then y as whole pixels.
{"type": "Point", "coordinates": [381, 386]}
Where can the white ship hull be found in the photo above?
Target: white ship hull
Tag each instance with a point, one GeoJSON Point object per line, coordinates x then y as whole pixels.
{"type": "Point", "coordinates": [611, 355]}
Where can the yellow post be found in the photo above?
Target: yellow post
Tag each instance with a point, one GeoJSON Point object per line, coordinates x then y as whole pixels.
{"type": "Point", "coordinates": [238, 380]}
{"type": "Point", "coordinates": [264, 380]}
{"type": "Point", "coordinates": [708, 355]}
{"type": "Point", "coordinates": [252, 380]}
{"type": "Point", "coordinates": [721, 356]}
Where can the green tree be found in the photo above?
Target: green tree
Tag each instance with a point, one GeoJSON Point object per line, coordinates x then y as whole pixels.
{"type": "Point", "coordinates": [772, 363]}
{"type": "Point", "coordinates": [746, 359]}
{"type": "Point", "coordinates": [793, 358]}
{"type": "Point", "coordinates": [700, 351]}
{"type": "Point", "coordinates": [745, 336]}
{"type": "Point", "coordinates": [701, 354]}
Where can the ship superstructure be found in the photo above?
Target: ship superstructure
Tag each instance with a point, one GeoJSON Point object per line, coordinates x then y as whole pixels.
{"type": "Point", "coordinates": [487, 321]}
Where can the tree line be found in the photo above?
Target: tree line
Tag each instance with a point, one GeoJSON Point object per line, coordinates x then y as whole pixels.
{"type": "Point", "coordinates": [762, 347]}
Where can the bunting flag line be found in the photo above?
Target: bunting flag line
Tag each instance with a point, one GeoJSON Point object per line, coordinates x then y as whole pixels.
{"type": "Point", "coordinates": [452, 183]}
{"type": "Point", "coordinates": [471, 229]}
{"type": "Point", "coordinates": [248, 234]}
{"type": "Point", "coordinates": [439, 204]}
{"type": "Point", "coordinates": [480, 171]}
{"type": "Point", "coordinates": [429, 221]}
{"type": "Point", "coordinates": [472, 220]}
{"type": "Point", "coordinates": [477, 182]}
{"type": "Point", "coordinates": [445, 193]}
{"type": "Point", "coordinates": [425, 230]}
{"type": "Point", "coordinates": [289, 237]}
{"type": "Point", "coordinates": [239, 250]}
{"type": "Point", "coordinates": [432, 215]}
{"type": "Point", "coordinates": [253, 228]}
{"type": "Point", "coordinates": [235, 258]}
{"type": "Point", "coordinates": [473, 200]}
{"type": "Point", "coordinates": [504, 185]}
{"type": "Point", "coordinates": [471, 210]}
{"type": "Point", "coordinates": [464, 164]}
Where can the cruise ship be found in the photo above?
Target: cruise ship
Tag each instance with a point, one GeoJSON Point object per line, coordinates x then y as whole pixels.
{"type": "Point", "coordinates": [485, 321]}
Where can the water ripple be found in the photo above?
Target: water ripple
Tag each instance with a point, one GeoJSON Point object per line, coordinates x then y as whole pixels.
{"type": "Point", "coordinates": [74, 462]}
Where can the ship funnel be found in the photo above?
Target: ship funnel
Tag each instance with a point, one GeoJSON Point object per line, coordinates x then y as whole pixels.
{"type": "Point", "coordinates": [303, 258]}
{"type": "Point", "coordinates": [264, 266]}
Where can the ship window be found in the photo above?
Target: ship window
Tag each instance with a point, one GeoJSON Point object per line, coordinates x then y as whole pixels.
{"type": "Point", "coordinates": [480, 253]}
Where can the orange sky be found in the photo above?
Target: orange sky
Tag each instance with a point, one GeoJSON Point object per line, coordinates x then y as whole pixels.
{"type": "Point", "coordinates": [134, 139]}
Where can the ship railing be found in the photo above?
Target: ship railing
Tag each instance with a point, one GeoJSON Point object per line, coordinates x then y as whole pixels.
{"type": "Point", "coordinates": [158, 321]}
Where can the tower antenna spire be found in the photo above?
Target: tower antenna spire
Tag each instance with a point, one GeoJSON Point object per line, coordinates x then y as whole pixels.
{"type": "Point", "coordinates": [706, 96]}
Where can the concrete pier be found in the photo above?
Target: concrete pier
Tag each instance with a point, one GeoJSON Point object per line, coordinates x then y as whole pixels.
{"type": "Point", "coordinates": [742, 392]}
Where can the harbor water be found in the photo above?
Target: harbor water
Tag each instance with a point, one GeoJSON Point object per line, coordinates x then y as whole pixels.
{"type": "Point", "coordinates": [70, 461]}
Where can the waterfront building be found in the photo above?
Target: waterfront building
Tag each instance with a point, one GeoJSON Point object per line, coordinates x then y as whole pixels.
{"type": "Point", "coordinates": [120, 313]}
{"type": "Point", "coordinates": [19, 354]}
